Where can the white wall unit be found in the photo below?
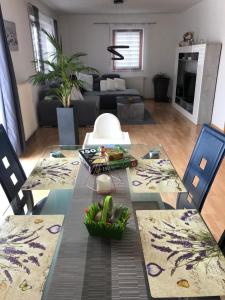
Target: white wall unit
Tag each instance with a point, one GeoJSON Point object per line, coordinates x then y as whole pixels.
{"type": "Point", "coordinates": [206, 20]}
{"type": "Point", "coordinates": [205, 67]}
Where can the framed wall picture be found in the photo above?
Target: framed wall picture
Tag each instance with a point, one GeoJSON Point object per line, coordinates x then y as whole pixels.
{"type": "Point", "coordinates": [10, 29]}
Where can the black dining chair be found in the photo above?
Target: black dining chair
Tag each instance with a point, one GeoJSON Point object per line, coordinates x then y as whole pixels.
{"type": "Point", "coordinates": [12, 177]}
{"type": "Point", "coordinates": [221, 243]}
{"type": "Point", "coordinates": [202, 168]}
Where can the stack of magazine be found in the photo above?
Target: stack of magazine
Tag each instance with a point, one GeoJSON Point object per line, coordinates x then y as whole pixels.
{"type": "Point", "coordinates": [97, 163]}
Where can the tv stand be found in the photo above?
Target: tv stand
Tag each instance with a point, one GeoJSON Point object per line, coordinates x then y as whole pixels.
{"type": "Point", "coordinates": [196, 69]}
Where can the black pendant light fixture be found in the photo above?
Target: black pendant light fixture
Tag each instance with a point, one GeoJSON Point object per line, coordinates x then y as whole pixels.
{"type": "Point", "coordinates": [118, 1]}
{"type": "Point", "coordinates": [116, 55]}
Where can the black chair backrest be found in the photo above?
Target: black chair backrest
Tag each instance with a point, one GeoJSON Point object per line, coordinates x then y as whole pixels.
{"type": "Point", "coordinates": [221, 243]}
{"type": "Point", "coordinates": [204, 163]}
{"type": "Point", "coordinates": [12, 176]}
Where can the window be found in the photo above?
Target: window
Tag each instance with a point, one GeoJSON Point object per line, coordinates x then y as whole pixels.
{"type": "Point", "coordinates": [134, 54]}
{"type": "Point", "coordinates": [43, 49]}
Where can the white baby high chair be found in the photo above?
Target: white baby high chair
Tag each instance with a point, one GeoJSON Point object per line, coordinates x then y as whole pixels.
{"type": "Point", "coordinates": [107, 130]}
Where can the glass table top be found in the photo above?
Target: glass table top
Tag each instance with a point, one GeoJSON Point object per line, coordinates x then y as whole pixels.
{"type": "Point", "coordinates": [153, 175]}
{"type": "Point", "coordinates": [83, 266]}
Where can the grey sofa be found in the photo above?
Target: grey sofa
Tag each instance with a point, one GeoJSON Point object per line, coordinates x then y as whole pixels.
{"type": "Point", "coordinates": [88, 109]}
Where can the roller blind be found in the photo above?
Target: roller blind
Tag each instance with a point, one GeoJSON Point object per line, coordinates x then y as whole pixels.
{"type": "Point", "coordinates": [132, 55]}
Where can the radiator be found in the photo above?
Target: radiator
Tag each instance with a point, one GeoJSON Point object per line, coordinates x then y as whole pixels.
{"type": "Point", "coordinates": [28, 108]}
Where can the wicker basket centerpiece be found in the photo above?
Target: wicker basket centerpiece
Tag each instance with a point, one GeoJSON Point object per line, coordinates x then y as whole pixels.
{"type": "Point", "coordinates": [104, 220]}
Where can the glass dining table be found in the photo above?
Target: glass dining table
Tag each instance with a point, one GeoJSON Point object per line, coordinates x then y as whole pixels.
{"type": "Point", "coordinates": [86, 267]}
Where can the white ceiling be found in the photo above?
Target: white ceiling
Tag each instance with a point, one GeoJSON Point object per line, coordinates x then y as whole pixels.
{"type": "Point", "coordinates": [129, 6]}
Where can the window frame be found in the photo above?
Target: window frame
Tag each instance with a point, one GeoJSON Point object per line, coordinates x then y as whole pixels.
{"type": "Point", "coordinates": [37, 23]}
{"type": "Point", "coordinates": [140, 67]}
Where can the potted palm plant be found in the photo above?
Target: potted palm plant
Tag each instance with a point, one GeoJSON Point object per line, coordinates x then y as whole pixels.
{"type": "Point", "coordinates": [63, 69]}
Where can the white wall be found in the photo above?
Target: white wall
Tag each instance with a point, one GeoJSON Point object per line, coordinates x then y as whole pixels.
{"type": "Point", "coordinates": [80, 34]}
{"type": "Point", "coordinates": [16, 11]}
{"type": "Point", "coordinates": [207, 20]}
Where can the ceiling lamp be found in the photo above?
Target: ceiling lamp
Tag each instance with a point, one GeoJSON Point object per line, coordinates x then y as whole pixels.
{"type": "Point", "coordinates": [118, 1]}
{"type": "Point", "coordinates": [116, 54]}
{"type": "Point", "coordinates": [112, 49]}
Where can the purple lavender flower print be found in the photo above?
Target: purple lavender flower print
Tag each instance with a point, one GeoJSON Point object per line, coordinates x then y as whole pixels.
{"type": "Point", "coordinates": [169, 225]}
{"type": "Point", "coordinates": [184, 247]}
{"type": "Point", "coordinates": [172, 254]}
{"type": "Point", "coordinates": [54, 229]}
{"type": "Point", "coordinates": [21, 248]}
{"type": "Point", "coordinates": [189, 267]}
{"type": "Point", "coordinates": [3, 241]}
{"type": "Point", "coordinates": [156, 236]}
{"type": "Point", "coordinates": [14, 260]}
{"type": "Point", "coordinates": [36, 245]}
{"type": "Point", "coordinates": [202, 253]}
{"type": "Point", "coordinates": [185, 256]}
{"type": "Point", "coordinates": [185, 244]}
{"type": "Point", "coordinates": [8, 276]}
{"type": "Point", "coordinates": [34, 260]}
{"type": "Point", "coordinates": [136, 183]}
{"type": "Point", "coordinates": [27, 270]}
{"type": "Point", "coordinates": [11, 251]}
{"type": "Point", "coordinates": [188, 214]}
{"type": "Point", "coordinates": [162, 248]}
{"type": "Point", "coordinates": [154, 269]}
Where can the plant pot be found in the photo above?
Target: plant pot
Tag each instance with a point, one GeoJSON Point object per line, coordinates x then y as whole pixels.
{"type": "Point", "coordinates": [67, 126]}
{"type": "Point", "coordinates": [105, 231]}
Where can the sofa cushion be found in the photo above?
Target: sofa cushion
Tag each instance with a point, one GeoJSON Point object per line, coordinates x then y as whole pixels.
{"type": "Point", "coordinates": [87, 81]}
{"type": "Point", "coordinates": [110, 83]}
{"type": "Point", "coordinates": [103, 85]}
{"type": "Point", "coordinates": [105, 76]}
{"type": "Point", "coordinates": [76, 94]}
{"type": "Point", "coordinates": [120, 84]}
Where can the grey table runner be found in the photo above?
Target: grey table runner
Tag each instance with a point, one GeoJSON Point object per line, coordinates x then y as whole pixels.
{"type": "Point", "coordinates": [90, 268]}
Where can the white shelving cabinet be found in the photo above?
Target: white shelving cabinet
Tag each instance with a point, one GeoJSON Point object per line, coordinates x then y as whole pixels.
{"type": "Point", "coordinates": [195, 77]}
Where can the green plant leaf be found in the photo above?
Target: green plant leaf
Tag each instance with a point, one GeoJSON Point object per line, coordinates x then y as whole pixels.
{"type": "Point", "coordinates": [60, 69]}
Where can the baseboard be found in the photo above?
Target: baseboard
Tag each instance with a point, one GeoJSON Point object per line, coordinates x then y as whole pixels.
{"type": "Point", "coordinates": [216, 127]}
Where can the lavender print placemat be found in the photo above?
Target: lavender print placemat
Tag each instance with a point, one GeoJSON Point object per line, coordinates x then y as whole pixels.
{"type": "Point", "coordinates": [155, 176]}
{"type": "Point", "coordinates": [27, 245]}
{"type": "Point", "coordinates": [53, 173]}
{"type": "Point", "coordinates": [181, 256]}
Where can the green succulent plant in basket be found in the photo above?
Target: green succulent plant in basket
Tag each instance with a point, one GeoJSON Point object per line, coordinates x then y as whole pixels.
{"type": "Point", "coordinates": [102, 219]}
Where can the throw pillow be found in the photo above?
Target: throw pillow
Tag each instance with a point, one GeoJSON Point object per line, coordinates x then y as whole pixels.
{"type": "Point", "coordinates": [103, 85]}
{"type": "Point", "coordinates": [87, 81]}
{"type": "Point", "coordinates": [76, 94]}
{"type": "Point", "coordinates": [120, 84]}
{"type": "Point", "coordinates": [110, 84]}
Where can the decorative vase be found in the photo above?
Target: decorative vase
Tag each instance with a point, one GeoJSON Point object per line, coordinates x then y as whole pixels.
{"type": "Point", "coordinates": [67, 126]}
